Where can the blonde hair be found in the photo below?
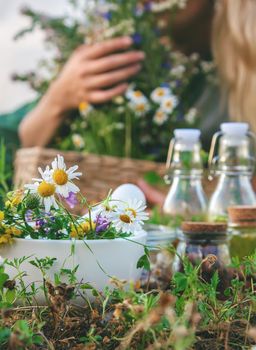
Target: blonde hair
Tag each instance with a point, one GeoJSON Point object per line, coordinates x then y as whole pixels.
{"type": "Point", "coordinates": [234, 48]}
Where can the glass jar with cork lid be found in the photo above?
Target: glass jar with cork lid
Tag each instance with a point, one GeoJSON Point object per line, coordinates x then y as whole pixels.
{"type": "Point", "coordinates": [205, 244]}
{"type": "Point", "coordinates": [242, 223]}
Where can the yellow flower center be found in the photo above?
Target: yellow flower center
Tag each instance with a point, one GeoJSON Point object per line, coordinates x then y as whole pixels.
{"type": "Point", "coordinates": [1, 216]}
{"type": "Point", "coordinates": [140, 107]}
{"type": "Point", "coordinates": [168, 104]}
{"type": "Point", "coordinates": [45, 189]}
{"type": "Point", "coordinates": [131, 210]}
{"type": "Point", "coordinates": [60, 177]}
{"type": "Point", "coordinates": [160, 92]}
{"type": "Point", "coordinates": [159, 114]}
{"type": "Point", "coordinates": [137, 93]}
{"type": "Point", "coordinates": [125, 218]}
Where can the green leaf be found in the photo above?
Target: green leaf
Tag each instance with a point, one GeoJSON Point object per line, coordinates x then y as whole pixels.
{"type": "Point", "coordinates": [37, 339]}
{"type": "Point", "coordinates": [4, 335]}
{"type": "Point", "coordinates": [153, 178]}
{"type": "Point", "coordinates": [180, 281]}
{"type": "Point", "coordinates": [86, 286]}
{"type": "Point", "coordinates": [215, 280]}
{"type": "Point", "coordinates": [143, 262]}
{"type": "Point", "coordinates": [10, 295]}
{"type": "Point", "coordinates": [3, 278]}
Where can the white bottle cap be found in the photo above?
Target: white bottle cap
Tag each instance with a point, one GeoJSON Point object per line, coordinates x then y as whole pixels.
{"type": "Point", "coordinates": [188, 136]}
{"type": "Point", "coordinates": [234, 129]}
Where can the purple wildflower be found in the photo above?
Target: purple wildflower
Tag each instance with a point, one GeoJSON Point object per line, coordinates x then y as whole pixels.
{"type": "Point", "coordinates": [29, 216]}
{"type": "Point", "coordinates": [107, 15]}
{"type": "Point", "coordinates": [102, 224]}
{"type": "Point", "coordinates": [40, 223]}
{"type": "Point", "coordinates": [148, 6]}
{"type": "Point", "coordinates": [137, 38]}
{"type": "Point", "coordinates": [71, 200]}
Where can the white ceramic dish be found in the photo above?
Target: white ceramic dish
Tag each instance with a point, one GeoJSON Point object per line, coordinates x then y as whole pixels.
{"type": "Point", "coordinates": [117, 257]}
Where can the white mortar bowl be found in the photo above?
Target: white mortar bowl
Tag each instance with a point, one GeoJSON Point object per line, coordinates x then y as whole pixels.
{"type": "Point", "coordinates": [117, 257]}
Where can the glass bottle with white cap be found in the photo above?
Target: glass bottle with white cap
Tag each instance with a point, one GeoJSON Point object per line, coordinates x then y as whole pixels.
{"type": "Point", "coordinates": [186, 199]}
{"type": "Point", "coordinates": [234, 164]}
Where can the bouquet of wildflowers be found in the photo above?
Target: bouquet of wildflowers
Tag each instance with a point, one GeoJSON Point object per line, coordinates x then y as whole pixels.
{"type": "Point", "coordinates": [159, 99]}
{"type": "Point", "coordinates": [37, 210]}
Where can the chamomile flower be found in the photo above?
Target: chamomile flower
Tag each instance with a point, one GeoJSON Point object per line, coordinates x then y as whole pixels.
{"type": "Point", "coordinates": [78, 141]}
{"type": "Point", "coordinates": [85, 108]}
{"type": "Point", "coordinates": [129, 217]}
{"type": "Point", "coordinates": [105, 209]}
{"type": "Point", "coordinates": [62, 177]}
{"type": "Point", "coordinates": [135, 95]}
{"type": "Point", "coordinates": [46, 193]}
{"type": "Point", "coordinates": [140, 107]}
{"type": "Point", "coordinates": [169, 103]}
{"type": "Point", "coordinates": [159, 93]}
{"type": "Point", "coordinates": [160, 117]}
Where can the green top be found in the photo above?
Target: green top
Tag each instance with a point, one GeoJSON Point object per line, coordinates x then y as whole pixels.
{"type": "Point", "coordinates": [9, 124]}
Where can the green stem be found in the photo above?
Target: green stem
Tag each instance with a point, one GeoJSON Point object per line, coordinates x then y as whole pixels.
{"type": "Point", "coordinates": [128, 134]}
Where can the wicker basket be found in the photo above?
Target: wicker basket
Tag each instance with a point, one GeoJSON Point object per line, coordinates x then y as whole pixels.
{"type": "Point", "coordinates": [100, 173]}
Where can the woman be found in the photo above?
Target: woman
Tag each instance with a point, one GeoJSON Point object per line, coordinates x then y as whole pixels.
{"type": "Point", "coordinates": [234, 48]}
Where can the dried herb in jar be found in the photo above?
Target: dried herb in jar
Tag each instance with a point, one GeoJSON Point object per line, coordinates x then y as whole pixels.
{"type": "Point", "coordinates": [206, 244]}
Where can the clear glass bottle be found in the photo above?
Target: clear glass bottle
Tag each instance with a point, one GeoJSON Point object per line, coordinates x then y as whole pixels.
{"type": "Point", "coordinates": [234, 164]}
{"type": "Point", "coordinates": [207, 244]}
{"type": "Point", "coordinates": [186, 199]}
{"type": "Point", "coordinates": [242, 224]}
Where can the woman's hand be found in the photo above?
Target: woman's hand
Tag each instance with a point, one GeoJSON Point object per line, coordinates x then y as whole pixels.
{"type": "Point", "coordinates": [97, 73]}
{"type": "Point", "coordinates": [93, 74]}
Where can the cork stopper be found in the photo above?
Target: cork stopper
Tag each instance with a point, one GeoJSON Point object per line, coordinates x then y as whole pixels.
{"type": "Point", "coordinates": [242, 215]}
{"type": "Point", "coordinates": [204, 227]}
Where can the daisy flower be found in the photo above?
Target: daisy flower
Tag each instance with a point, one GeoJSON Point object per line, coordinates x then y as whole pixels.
{"type": "Point", "coordinates": [85, 108]}
{"type": "Point", "coordinates": [135, 95]}
{"type": "Point", "coordinates": [169, 103]}
{"type": "Point", "coordinates": [62, 177]}
{"type": "Point", "coordinates": [140, 107]}
{"type": "Point", "coordinates": [160, 117]}
{"type": "Point", "coordinates": [46, 193]}
{"type": "Point", "coordinates": [159, 93]}
{"type": "Point", "coordinates": [78, 141]}
{"type": "Point", "coordinates": [104, 209]}
{"type": "Point", "coordinates": [129, 217]}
